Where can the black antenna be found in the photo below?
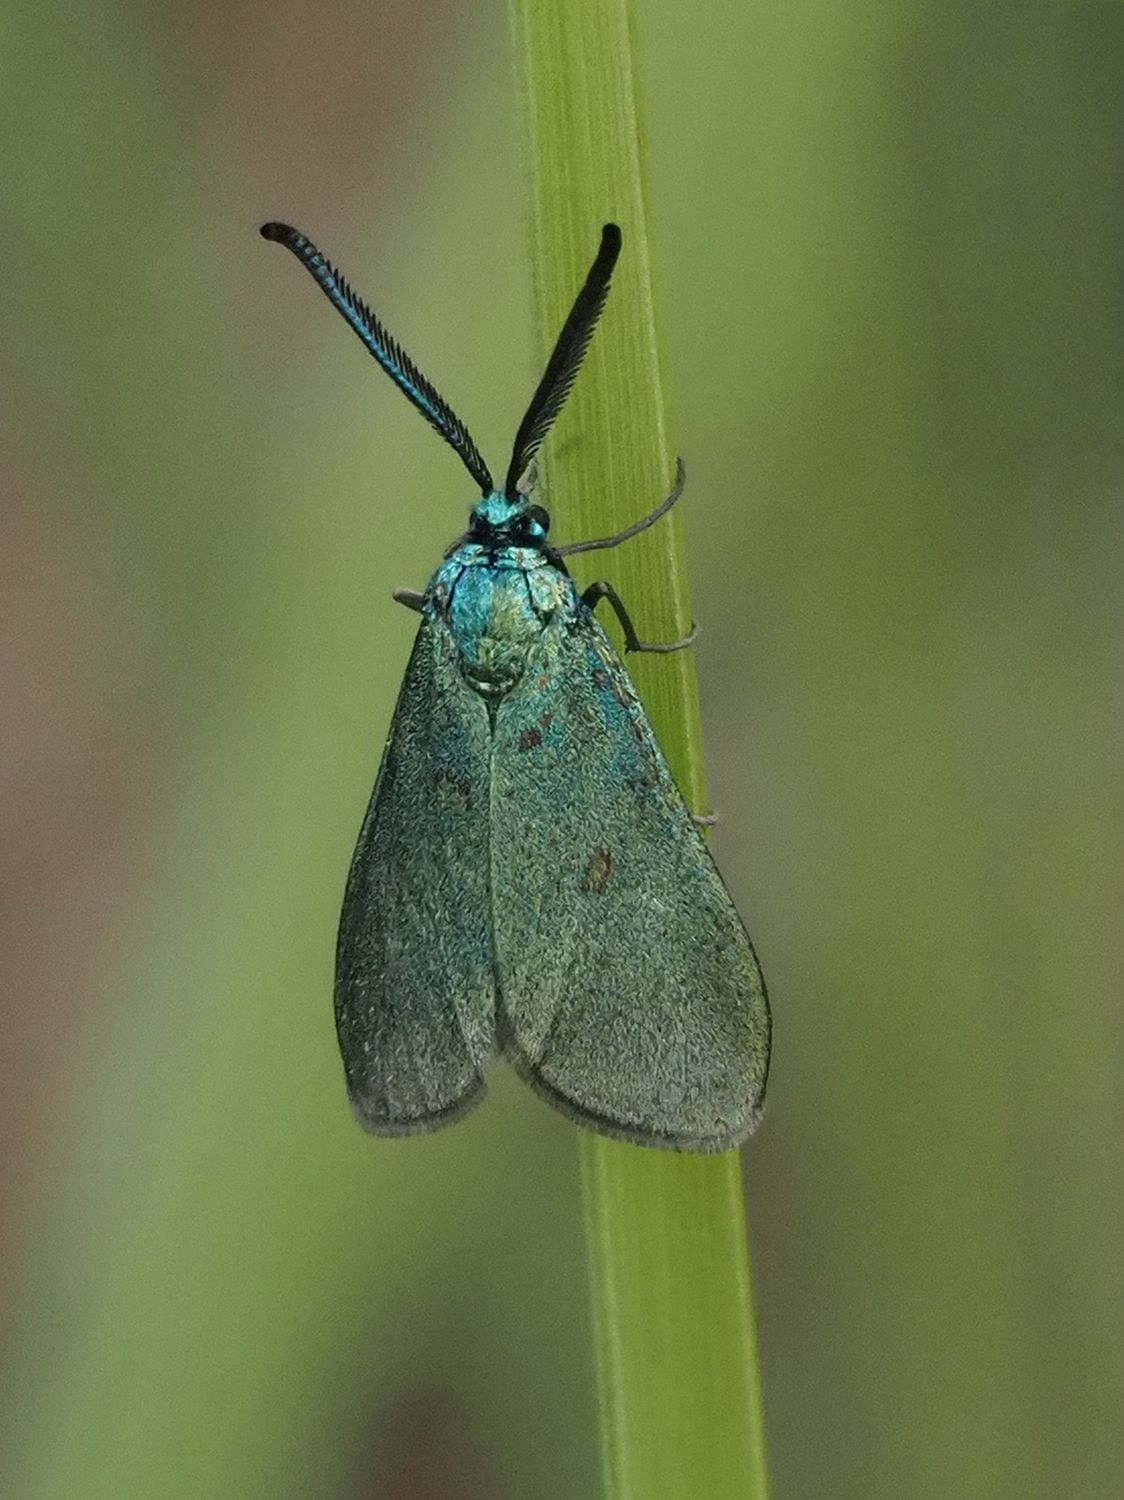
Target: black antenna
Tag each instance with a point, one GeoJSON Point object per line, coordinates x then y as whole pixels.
{"type": "Point", "coordinates": [389, 353]}
{"type": "Point", "coordinates": [564, 364]}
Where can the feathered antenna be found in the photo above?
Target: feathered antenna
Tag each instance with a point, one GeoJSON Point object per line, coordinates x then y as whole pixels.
{"type": "Point", "coordinates": [565, 362]}
{"type": "Point", "coordinates": [386, 349]}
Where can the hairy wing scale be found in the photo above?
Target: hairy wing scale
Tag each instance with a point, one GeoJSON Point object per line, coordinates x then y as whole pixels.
{"type": "Point", "coordinates": [414, 970]}
{"type": "Point", "coordinates": [629, 992]}
{"type": "Point", "coordinates": [549, 856]}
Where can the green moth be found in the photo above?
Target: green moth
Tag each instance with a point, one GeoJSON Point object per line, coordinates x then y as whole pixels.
{"type": "Point", "coordinates": [528, 878]}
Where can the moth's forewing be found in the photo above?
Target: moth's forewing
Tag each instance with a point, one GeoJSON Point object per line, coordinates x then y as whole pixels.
{"type": "Point", "coordinates": [629, 992]}
{"type": "Point", "coordinates": [414, 974]}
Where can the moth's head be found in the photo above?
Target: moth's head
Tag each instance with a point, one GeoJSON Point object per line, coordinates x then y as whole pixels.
{"type": "Point", "coordinates": [499, 521]}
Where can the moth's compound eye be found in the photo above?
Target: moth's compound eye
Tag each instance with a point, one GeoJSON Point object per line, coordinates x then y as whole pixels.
{"type": "Point", "coordinates": [538, 521]}
{"type": "Point", "coordinates": [477, 526]}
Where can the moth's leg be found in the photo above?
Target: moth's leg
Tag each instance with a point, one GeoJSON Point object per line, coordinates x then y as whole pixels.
{"type": "Point", "coordinates": [410, 598]}
{"type": "Point", "coordinates": [632, 642]}
{"type": "Point", "coordinates": [637, 526]}
{"type": "Point", "coordinates": [704, 820]}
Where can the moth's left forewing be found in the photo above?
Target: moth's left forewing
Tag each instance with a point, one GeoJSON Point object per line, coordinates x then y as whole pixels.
{"type": "Point", "coordinates": [414, 966]}
{"type": "Point", "coordinates": [628, 992]}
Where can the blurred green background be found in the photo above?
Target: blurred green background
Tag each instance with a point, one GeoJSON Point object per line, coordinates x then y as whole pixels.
{"type": "Point", "coordinates": [889, 257]}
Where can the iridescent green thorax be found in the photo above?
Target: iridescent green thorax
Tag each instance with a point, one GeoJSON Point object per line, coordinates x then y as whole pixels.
{"type": "Point", "coordinates": [495, 599]}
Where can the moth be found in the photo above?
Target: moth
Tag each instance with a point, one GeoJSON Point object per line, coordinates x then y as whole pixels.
{"type": "Point", "coordinates": [528, 878]}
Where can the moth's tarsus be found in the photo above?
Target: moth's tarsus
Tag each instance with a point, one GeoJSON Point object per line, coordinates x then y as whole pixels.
{"type": "Point", "coordinates": [632, 642]}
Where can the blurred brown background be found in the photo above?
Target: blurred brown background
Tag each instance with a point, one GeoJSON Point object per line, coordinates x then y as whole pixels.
{"type": "Point", "coordinates": [889, 262]}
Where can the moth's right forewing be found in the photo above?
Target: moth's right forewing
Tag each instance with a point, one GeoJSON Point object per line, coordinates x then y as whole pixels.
{"type": "Point", "coordinates": [415, 994]}
{"type": "Point", "coordinates": [629, 992]}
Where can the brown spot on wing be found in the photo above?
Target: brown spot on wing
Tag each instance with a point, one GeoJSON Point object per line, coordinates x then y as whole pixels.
{"type": "Point", "coordinates": [597, 871]}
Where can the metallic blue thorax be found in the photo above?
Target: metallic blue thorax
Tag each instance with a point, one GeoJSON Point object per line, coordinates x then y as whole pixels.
{"type": "Point", "coordinates": [497, 591]}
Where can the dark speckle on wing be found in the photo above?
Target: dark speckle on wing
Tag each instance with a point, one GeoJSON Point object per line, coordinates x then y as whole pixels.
{"type": "Point", "coordinates": [597, 871]}
{"type": "Point", "coordinates": [454, 788]}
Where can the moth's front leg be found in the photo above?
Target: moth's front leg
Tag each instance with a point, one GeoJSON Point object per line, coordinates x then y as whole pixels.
{"type": "Point", "coordinates": [632, 642]}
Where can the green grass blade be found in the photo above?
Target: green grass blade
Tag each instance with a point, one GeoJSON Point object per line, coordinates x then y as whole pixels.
{"type": "Point", "coordinates": [680, 1396]}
